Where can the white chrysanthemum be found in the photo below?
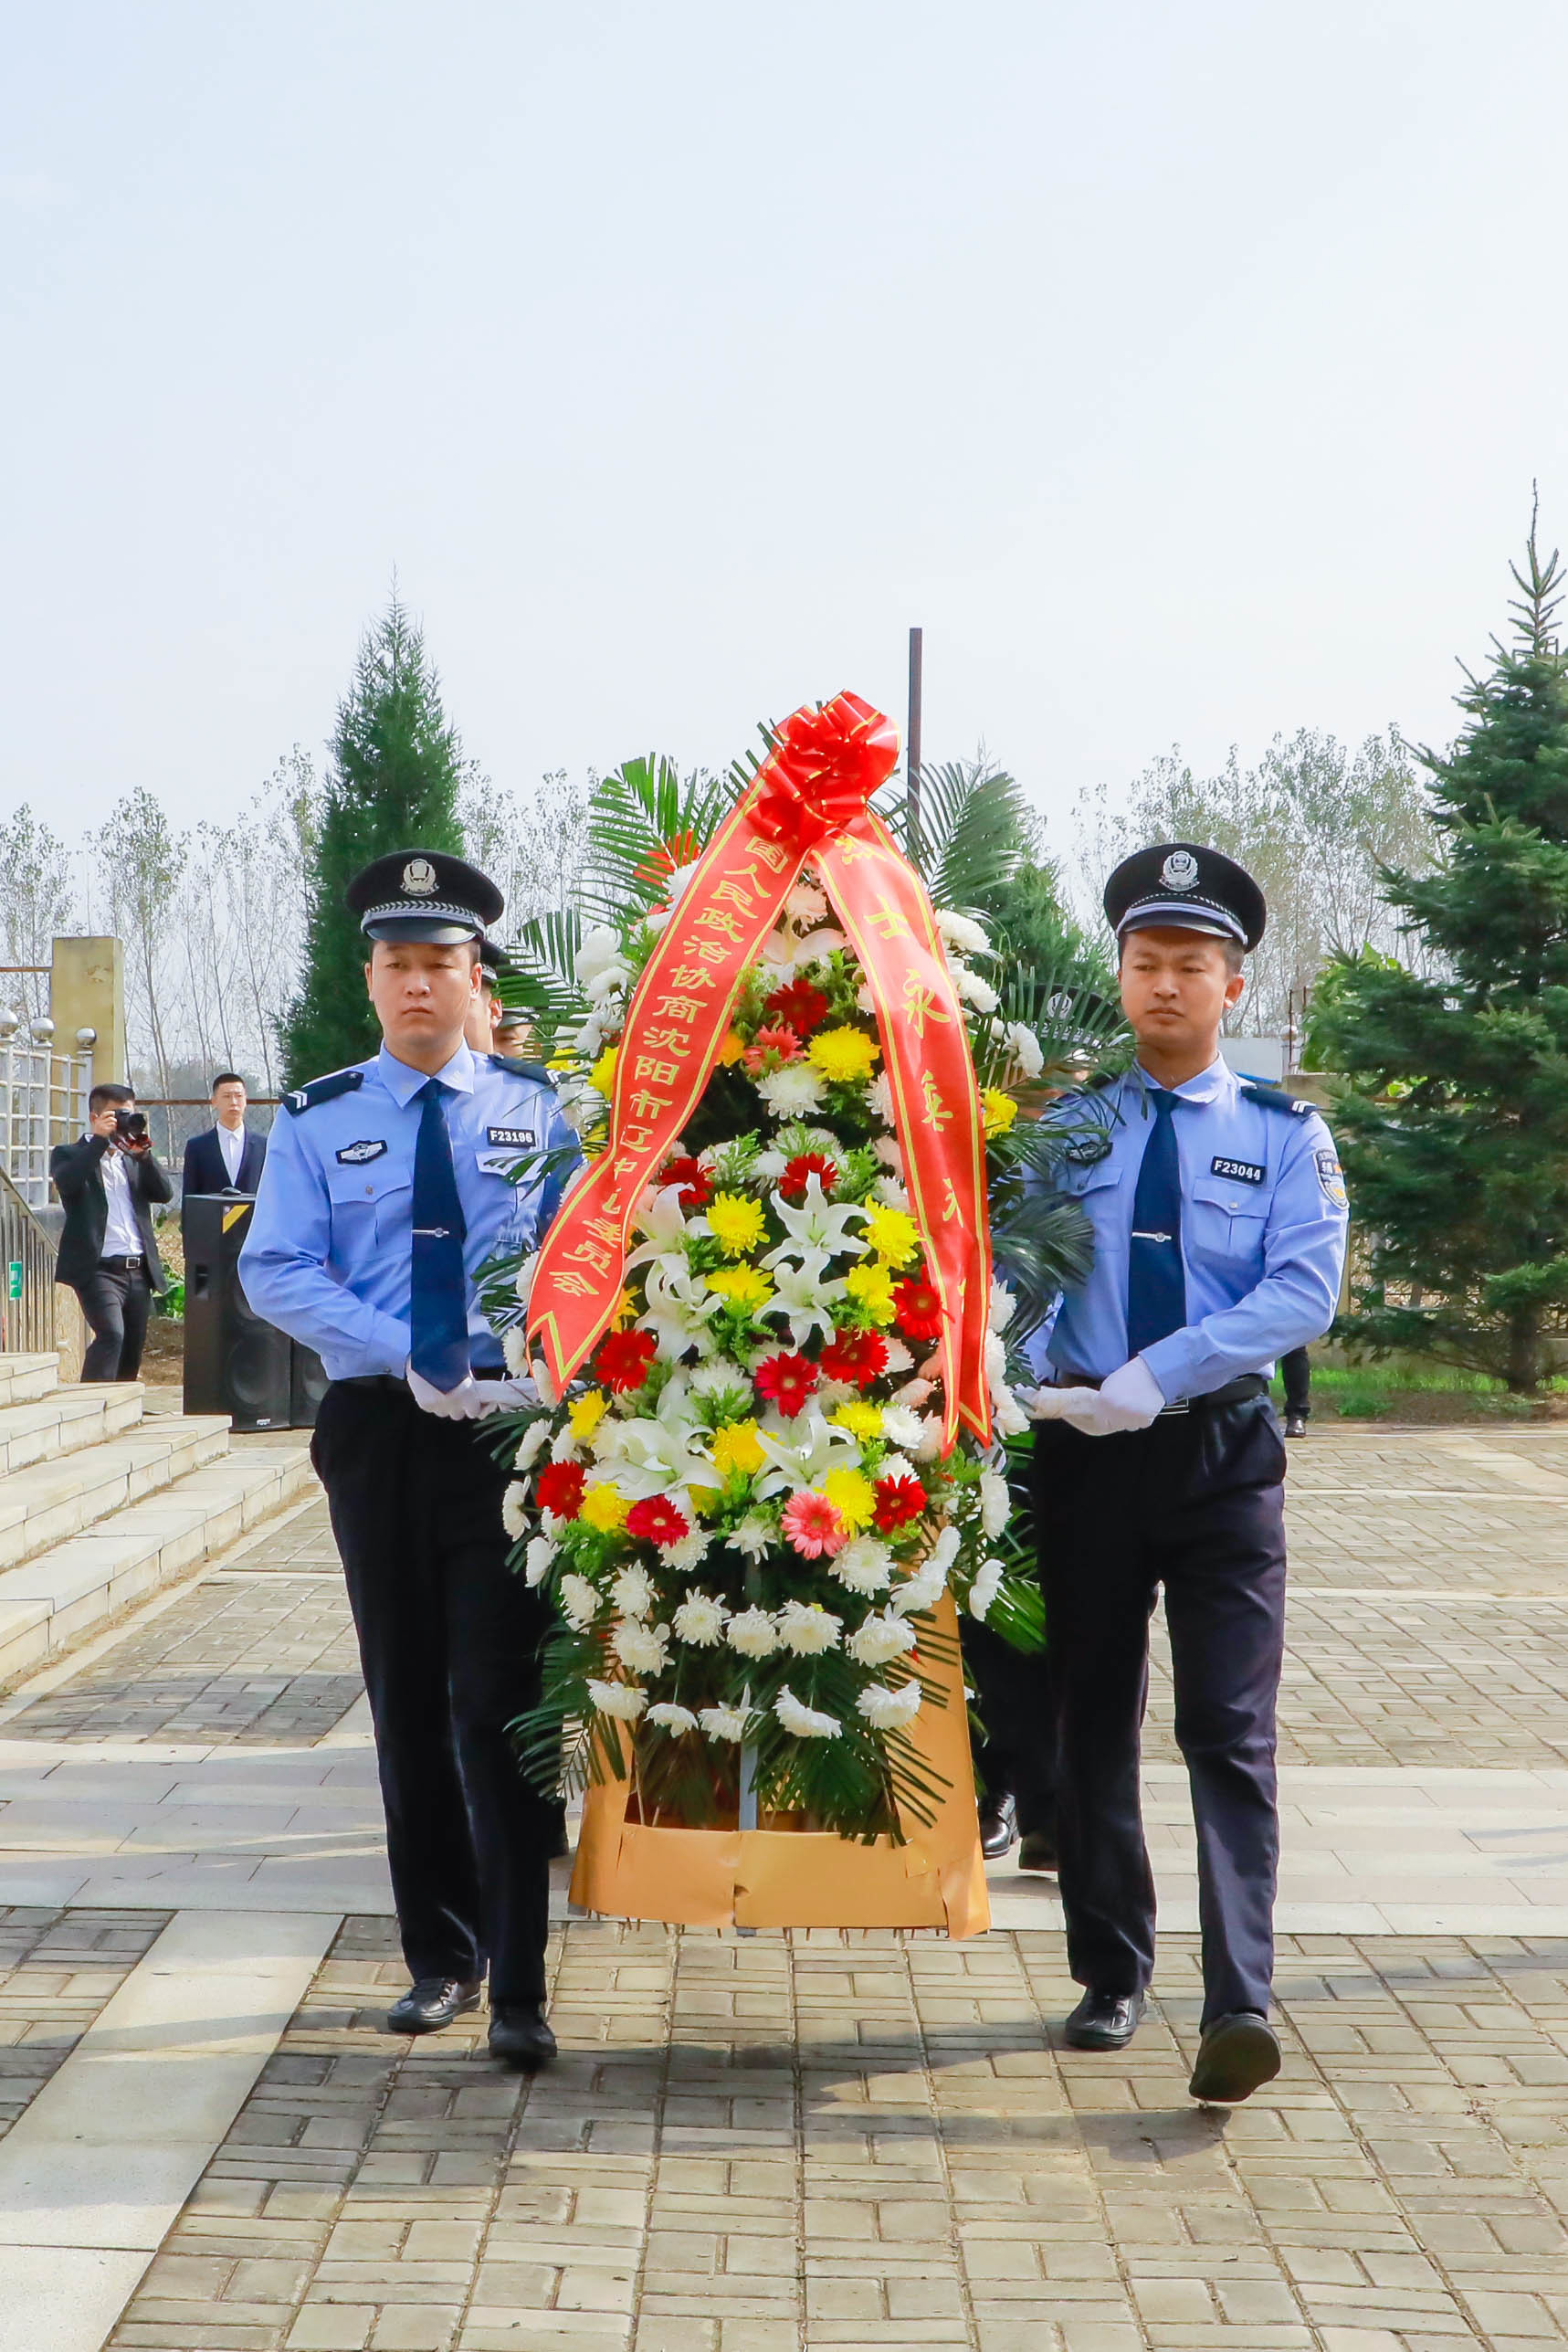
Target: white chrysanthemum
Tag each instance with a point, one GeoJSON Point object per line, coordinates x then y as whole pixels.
{"type": "Point", "coordinates": [563, 1444]}
{"type": "Point", "coordinates": [975, 990]}
{"type": "Point", "coordinates": [820, 945]}
{"type": "Point", "coordinates": [829, 1393]}
{"type": "Point", "coordinates": [544, 1381]}
{"type": "Point", "coordinates": [632, 1592]}
{"type": "Point", "coordinates": [769, 1165]}
{"type": "Point", "coordinates": [1024, 1047]}
{"type": "Point", "coordinates": [579, 1601]}
{"type": "Point", "coordinates": [606, 983]}
{"type": "Point", "coordinates": [928, 1443]}
{"type": "Point", "coordinates": [597, 949]}
{"type": "Point", "coordinates": [751, 1633]}
{"type": "Point", "coordinates": [588, 1039]}
{"type": "Point", "coordinates": [524, 1281]}
{"type": "Point", "coordinates": [806, 905]}
{"type": "Point", "coordinates": [675, 883]}
{"type": "Point", "coordinates": [996, 1502]}
{"type": "Point", "coordinates": [926, 1586]}
{"type": "Point", "coordinates": [900, 1427]}
{"type": "Point", "coordinates": [514, 1509]}
{"type": "Point", "coordinates": [685, 1554]}
{"type": "Point", "coordinates": [864, 1565]}
{"type": "Point", "coordinates": [805, 1722]}
{"type": "Point", "coordinates": [962, 932]}
{"type": "Point", "coordinates": [514, 1347]}
{"type": "Point", "coordinates": [1004, 1306]}
{"type": "Point", "coordinates": [720, 1372]}
{"type": "Point", "coordinates": [622, 1700]}
{"type": "Point", "coordinates": [1008, 1417]}
{"type": "Point", "coordinates": [536, 1560]}
{"type": "Point", "coordinates": [944, 1551]}
{"type": "Point", "coordinates": [914, 1392]}
{"type": "Point", "coordinates": [754, 1536]}
{"type": "Point", "coordinates": [891, 1152]}
{"type": "Point", "coordinates": [641, 1648]}
{"type": "Point", "coordinates": [672, 1718]}
{"type": "Point", "coordinates": [880, 1099]}
{"type": "Point", "coordinates": [986, 1585]}
{"type": "Point", "coordinates": [881, 1638]}
{"type": "Point", "coordinates": [530, 1444]}
{"type": "Point", "coordinates": [699, 1620]}
{"type": "Point", "coordinates": [792, 1090]}
{"type": "Point", "coordinates": [864, 1000]}
{"type": "Point", "coordinates": [724, 1722]}
{"type": "Point", "coordinates": [899, 1356]}
{"type": "Point", "coordinates": [886, 1708]}
{"type": "Point", "coordinates": [897, 1465]}
{"type": "Point", "coordinates": [808, 1629]}
{"type": "Point", "coordinates": [891, 1193]}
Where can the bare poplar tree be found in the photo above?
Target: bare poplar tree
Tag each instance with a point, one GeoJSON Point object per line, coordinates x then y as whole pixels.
{"type": "Point", "coordinates": [141, 859]}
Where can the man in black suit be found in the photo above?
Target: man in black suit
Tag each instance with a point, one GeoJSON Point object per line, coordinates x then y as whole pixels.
{"type": "Point", "coordinates": [227, 1156]}
{"type": "Point", "coordinates": [108, 1183]}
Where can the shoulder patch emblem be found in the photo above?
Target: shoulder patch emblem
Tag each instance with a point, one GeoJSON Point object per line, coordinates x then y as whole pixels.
{"type": "Point", "coordinates": [1238, 1171]}
{"type": "Point", "coordinates": [521, 1139]}
{"type": "Point", "coordinates": [1273, 1098]}
{"type": "Point", "coordinates": [1087, 1151]}
{"type": "Point", "coordinates": [369, 1147]}
{"type": "Point", "coordinates": [1331, 1178]}
{"type": "Point", "coordinates": [323, 1089]}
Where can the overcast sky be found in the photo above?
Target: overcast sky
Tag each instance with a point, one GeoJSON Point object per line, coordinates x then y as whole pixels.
{"type": "Point", "coordinates": [1182, 370]}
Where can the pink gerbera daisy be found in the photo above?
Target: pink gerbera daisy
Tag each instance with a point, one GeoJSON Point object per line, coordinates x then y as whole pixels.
{"type": "Point", "coordinates": [812, 1526]}
{"type": "Point", "coordinates": [771, 1048]}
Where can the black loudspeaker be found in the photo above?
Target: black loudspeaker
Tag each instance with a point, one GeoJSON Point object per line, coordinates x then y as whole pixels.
{"type": "Point", "coordinates": [235, 1363]}
{"type": "Point", "coordinates": [308, 1386]}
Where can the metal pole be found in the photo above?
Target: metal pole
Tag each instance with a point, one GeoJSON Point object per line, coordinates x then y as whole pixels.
{"type": "Point", "coordinates": [912, 741]}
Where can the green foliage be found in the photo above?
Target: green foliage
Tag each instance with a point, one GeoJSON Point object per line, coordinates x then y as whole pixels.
{"type": "Point", "coordinates": [1453, 1112]}
{"type": "Point", "coordinates": [397, 765]}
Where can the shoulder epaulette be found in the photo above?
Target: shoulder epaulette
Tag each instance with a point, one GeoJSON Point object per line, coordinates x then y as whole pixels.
{"type": "Point", "coordinates": [323, 1089]}
{"type": "Point", "coordinates": [1274, 1098]}
{"type": "Point", "coordinates": [516, 1068]}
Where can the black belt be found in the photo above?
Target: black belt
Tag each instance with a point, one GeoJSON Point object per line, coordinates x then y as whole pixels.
{"type": "Point", "coordinates": [125, 1265]}
{"type": "Point", "coordinates": [390, 1380]}
{"type": "Point", "coordinates": [1235, 1392]}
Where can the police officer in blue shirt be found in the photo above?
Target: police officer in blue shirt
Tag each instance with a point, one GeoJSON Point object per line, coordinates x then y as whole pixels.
{"type": "Point", "coordinates": [1218, 1214]}
{"type": "Point", "coordinates": [386, 1189]}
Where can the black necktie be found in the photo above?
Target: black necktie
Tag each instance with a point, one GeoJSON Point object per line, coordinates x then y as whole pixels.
{"type": "Point", "coordinates": [438, 1288]}
{"type": "Point", "coordinates": [1157, 1284]}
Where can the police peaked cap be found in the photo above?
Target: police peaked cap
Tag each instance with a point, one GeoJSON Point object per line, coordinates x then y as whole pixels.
{"type": "Point", "coordinates": [493, 959]}
{"type": "Point", "coordinates": [424, 894]}
{"type": "Point", "coordinates": [1181, 886]}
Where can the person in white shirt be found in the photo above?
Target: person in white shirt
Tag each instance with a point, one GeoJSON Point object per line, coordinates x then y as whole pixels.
{"type": "Point", "coordinates": [108, 1183]}
{"type": "Point", "coordinates": [227, 1156]}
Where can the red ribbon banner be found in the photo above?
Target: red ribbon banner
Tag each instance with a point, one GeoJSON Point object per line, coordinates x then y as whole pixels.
{"type": "Point", "coordinates": [808, 799]}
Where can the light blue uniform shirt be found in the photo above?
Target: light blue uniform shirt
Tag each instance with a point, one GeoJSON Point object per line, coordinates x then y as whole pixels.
{"type": "Point", "coordinates": [330, 1251]}
{"type": "Point", "coordinates": [1263, 1232]}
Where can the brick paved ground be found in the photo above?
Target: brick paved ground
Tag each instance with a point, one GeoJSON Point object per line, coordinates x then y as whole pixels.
{"type": "Point", "coordinates": [58, 1969]}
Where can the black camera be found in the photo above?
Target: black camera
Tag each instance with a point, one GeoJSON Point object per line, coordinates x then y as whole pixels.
{"type": "Point", "coordinates": [131, 1126]}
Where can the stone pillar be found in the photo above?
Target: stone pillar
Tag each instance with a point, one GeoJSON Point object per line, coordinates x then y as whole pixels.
{"type": "Point", "coordinates": [87, 991]}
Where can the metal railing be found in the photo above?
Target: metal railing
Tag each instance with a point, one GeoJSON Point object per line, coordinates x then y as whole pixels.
{"type": "Point", "coordinates": [43, 1101]}
{"type": "Point", "coordinates": [28, 1260]}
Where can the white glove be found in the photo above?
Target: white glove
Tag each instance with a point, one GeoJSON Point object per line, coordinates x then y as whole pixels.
{"type": "Point", "coordinates": [1078, 1406]}
{"type": "Point", "coordinates": [1129, 1399]}
{"type": "Point", "coordinates": [471, 1399]}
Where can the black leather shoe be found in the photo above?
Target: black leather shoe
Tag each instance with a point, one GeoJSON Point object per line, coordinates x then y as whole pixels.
{"type": "Point", "coordinates": [520, 2036]}
{"type": "Point", "coordinates": [1104, 2021]}
{"type": "Point", "coordinates": [1037, 1851]}
{"type": "Point", "coordinates": [432, 2003]}
{"type": "Point", "coordinates": [1236, 2054]}
{"type": "Point", "coordinates": [998, 1827]}
{"type": "Point", "coordinates": [1295, 1425]}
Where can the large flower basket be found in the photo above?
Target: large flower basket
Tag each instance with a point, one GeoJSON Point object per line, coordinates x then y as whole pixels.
{"type": "Point", "coordinates": [766, 1472]}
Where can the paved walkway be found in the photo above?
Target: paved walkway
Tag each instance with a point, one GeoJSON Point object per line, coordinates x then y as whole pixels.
{"type": "Point", "coordinates": [786, 2143]}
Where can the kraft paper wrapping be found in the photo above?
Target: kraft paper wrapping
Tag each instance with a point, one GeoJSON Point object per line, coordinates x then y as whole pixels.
{"type": "Point", "coordinates": [782, 1878]}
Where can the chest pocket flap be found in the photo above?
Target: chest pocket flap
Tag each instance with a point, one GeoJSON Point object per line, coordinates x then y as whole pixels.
{"type": "Point", "coordinates": [1231, 1194]}
{"type": "Point", "coordinates": [1077, 1181]}
{"type": "Point", "coordinates": [366, 1180]}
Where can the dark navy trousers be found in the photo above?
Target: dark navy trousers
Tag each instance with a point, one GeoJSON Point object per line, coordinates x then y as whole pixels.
{"type": "Point", "coordinates": [1195, 1503]}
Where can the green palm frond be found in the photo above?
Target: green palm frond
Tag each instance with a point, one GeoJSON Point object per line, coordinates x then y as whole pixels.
{"type": "Point", "coordinates": [967, 835]}
{"type": "Point", "coordinates": [638, 817]}
{"type": "Point", "coordinates": [540, 982]}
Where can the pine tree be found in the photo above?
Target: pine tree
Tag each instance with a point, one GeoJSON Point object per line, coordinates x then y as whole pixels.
{"type": "Point", "coordinates": [1454, 1116]}
{"type": "Point", "coordinates": [396, 766]}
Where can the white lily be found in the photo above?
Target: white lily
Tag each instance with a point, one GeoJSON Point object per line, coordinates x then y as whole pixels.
{"type": "Point", "coordinates": [664, 1450]}
{"type": "Point", "coordinates": [678, 1305]}
{"type": "Point", "coordinates": [660, 1215]}
{"type": "Point", "coordinates": [806, 1457]}
{"type": "Point", "coordinates": [800, 1293]}
{"type": "Point", "coordinates": [816, 1230]}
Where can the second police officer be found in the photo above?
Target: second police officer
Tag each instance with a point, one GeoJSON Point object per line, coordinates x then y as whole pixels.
{"type": "Point", "coordinates": [387, 1187]}
{"type": "Point", "coordinates": [1218, 1214]}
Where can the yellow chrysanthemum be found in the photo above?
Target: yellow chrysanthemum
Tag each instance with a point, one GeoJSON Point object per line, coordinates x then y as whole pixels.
{"type": "Point", "coordinates": [604, 1508]}
{"type": "Point", "coordinates": [843, 1053]}
{"type": "Point", "coordinates": [603, 1074]}
{"type": "Point", "coordinates": [873, 1288]}
{"type": "Point", "coordinates": [861, 1419]}
{"type": "Point", "coordinates": [587, 1412]}
{"type": "Point", "coordinates": [852, 1496]}
{"type": "Point", "coordinates": [733, 1047]}
{"type": "Point", "coordinates": [894, 1237]}
{"type": "Point", "coordinates": [998, 1109]}
{"type": "Point", "coordinates": [742, 1285]}
{"type": "Point", "coordinates": [737, 1225]}
{"type": "Point", "coordinates": [735, 1447]}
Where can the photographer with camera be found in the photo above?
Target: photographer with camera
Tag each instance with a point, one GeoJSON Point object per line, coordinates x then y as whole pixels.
{"type": "Point", "coordinates": [108, 1183]}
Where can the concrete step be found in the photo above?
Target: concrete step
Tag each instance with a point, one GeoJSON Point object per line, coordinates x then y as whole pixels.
{"type": "Point", "coordinates": [66, 1421]}
{"type": "Point", "coordinates": [24, 1377]}
{"type": "Point", "coordinates": [53, 1500]}
{"type": "Point", "coordinates": [78, 1585]}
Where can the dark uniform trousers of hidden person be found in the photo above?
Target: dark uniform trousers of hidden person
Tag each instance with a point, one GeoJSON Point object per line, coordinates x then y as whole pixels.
{"type": "Point", "coordinates": [1193, 1503]}
{"type": "Point", "coordinates": [449, 1636]}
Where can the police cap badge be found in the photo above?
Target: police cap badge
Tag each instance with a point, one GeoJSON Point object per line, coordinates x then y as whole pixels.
{"type": "Point", "coordinates": [424, 894]}
{"type": "Point", "coordinates": [1181, 886]}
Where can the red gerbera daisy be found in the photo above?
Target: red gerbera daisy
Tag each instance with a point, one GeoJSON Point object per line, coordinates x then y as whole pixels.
{"type": "Point", "coordinates": [798, 1003]}
{"type": "Point", "coordinates": [559, 1488]}
{"type": "Point", "coordinates": [800, 1171]}
{"type": "Point", "coordinates": [898, 1500]}
{"type": "Point", "coordinates": [623, 1359]}
{"type": "Point", "coordinates": [787, 1381]}
{"type": "Point", "coordinates": [696, 1184]}
{"type": "Point", "coordinates": [655, 1520]}
{"type": "Point", "coordinates": [917, 1310]}
{"type": "Point", "coordinates": [857, 1356]}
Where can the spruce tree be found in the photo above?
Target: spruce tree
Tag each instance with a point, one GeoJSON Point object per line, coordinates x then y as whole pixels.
{"type": "Point", "coordinates": [396, 766]}
{"type": "Point", "coordinates": [1452, 1115]}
